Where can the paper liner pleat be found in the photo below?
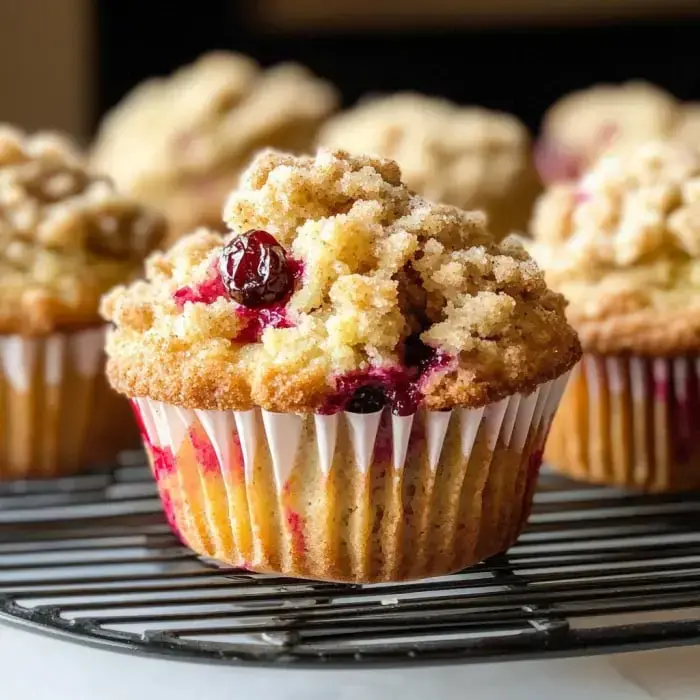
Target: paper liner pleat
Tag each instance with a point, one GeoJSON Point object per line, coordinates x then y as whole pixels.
{"type": "Point", "coordinates": [630, 421]}
{"type": "Point", "coordinates": [353, 497]}
{"type": "Point", "coordinates": [57, 414]}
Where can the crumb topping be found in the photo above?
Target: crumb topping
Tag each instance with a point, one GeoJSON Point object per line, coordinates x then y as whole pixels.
{"type": "Point", "coordinates": [65, 236]}
{"type": "Point", "coordinates": [626, 238]}
{"type": "Point", "coordinates": [180, 142]}
{"type": "Point", "coordinates": [381, 268]}
{"type": "Point", "coordinates": [608, 119]}
{"type": "Point", "coordinates": [466, 156]}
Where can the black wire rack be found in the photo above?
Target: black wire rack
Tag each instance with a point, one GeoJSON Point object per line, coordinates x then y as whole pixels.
{"type": "Point", "coordinates": [90, 559]}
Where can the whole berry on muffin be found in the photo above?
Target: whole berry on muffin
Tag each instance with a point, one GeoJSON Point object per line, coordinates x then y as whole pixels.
{"type": "Point", "coordinates": [467, 156]}
{"type": "Point", "coordinates": [66, 237]}
{"type": "Point", "coordinates": [623, 245]}
{"type": "Point", "coordinates": [180, 142]}
{"type": "Point", "coordinates": [346, 332]}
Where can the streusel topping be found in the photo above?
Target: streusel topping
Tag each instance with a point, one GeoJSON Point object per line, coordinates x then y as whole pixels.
{"type": "Point", "coordinates": [626, 238]}
{"type": "Point", "coordinates": [466, 156]}
{"type": "Point", "coordinates": [379, 287]}
{"type": "Point", "coordinates": [587, 123]}
{"type": "Point", "coordinates": [66, 236]}
{"type": "Point", "coordinates": [180, 142]}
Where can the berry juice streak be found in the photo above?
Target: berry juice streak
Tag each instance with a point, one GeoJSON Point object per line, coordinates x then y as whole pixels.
{"type": "Point", "coordinates": [163, 466]}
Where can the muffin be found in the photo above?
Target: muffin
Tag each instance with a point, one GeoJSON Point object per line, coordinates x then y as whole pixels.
{"type": "Point", "coordinates": [470, 157]}
{"type": "Point", "coordinates": [179, 143]}
{"type": "Point", "coordinates": [353, 385]}
{"type": "Point", "coordinates": [66, 237]}
{"type": "Point", "coordinates": [623, 246]}
{"type": "Point", "coordinates": [583, 125]}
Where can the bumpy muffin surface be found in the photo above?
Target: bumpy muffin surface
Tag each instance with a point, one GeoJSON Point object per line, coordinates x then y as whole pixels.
{"type": "Point", "coordinates": [623, 245]}
{"type": "Point", "coordinates": [466, 156]}
{"type": "Point", "coordinates": [608, 119]}
{"type": "Point", "coordinates": [180, 142]}
{"type": "Point", "coordinates": [66, 236]}
{"type": "Point", "coordinates": [373, 286]}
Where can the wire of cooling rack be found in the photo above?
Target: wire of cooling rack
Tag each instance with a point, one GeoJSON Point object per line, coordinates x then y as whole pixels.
{"type": "Point", "coordinates": [91, 559]}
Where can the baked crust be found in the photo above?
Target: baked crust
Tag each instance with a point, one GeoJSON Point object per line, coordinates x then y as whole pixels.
{"type": "Point", "coordinates": [180, 143]}
{"type": "Point", "coordinates": [470, 157]}
{"type": "Point", "coordinates": [380, 263]}
{"type": "Point", "coordinates": [66, 236]}
{"type": "Point", "coordinates": [623, 246]}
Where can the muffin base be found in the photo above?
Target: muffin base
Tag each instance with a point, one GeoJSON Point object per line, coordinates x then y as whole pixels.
{"type": "Point", "coordinates": [57, 412]}
{"type": "Point", "coordinates": [632, 422]}
{"type": "Point", "coordinates": [350, 497]}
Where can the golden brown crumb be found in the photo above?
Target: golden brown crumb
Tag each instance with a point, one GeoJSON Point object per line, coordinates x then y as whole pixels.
{"type": "Point", "coordinates": [609, 119]}
{"type": "Point", "coordinates": [65, 236]}
{"type": "Point", "coordinates": [623, 245]}
{"type": "Point", "coordinates": [470, 157]}
{"type": "Point", "coordinates": [180, 142]}
{"type": "Point", "coordinates": [379, 262]}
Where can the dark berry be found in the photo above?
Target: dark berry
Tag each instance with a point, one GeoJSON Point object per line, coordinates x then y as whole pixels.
{"type": "Point", "coordinates": [416, 353]}
{"type": "Point", "coordinates": [366, 399]}
{"type": "Point", "coordinates": [254, 269]}
{"type": "Point", "coordinates": [405, 398]}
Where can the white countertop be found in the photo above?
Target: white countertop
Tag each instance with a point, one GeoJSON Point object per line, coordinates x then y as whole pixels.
{"type": "Point", "coordinates": [36, 667]}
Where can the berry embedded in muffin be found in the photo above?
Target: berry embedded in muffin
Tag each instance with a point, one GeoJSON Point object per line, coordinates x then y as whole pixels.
{"type": "Point", "coordinates": [339, 287]}
{"type": "Point", "coordinates": [466, 156]}
{"type": "Point", "coordinates": [181, 142]}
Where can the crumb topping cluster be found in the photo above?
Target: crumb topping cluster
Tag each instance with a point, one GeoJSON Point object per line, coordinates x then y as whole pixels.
{"type": "Point", "coordinates": [466, 156]}
{"type": "Point", "coordinates": [381, 272]}
{"type": "Point", "coordinates": [180, 142]}
{"type": "Point", "coordinates": [581, 127]}
{"type": "Point", "coordinates": [626, 237]}
{"type": "Point", "coordinates": [65, 236]}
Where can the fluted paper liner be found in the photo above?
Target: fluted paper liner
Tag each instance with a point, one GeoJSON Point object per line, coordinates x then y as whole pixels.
{"type": "Point", "coordinates": [57, 412]}
{"type": "Point", "coordinates": [630, 421]}
{"type": "Point", "coordinates": [349, 497]}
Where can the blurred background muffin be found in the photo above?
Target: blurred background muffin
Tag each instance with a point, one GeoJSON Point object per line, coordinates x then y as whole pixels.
{"type": "Point", "coordinates": [66, 237]}
{"type": "Point", "coordinates": [470, 157]}
{"type": "Point", "coordinates": [179, 143]}
{"type": "Point", "coordinates": [623, 246]}
{"type": "Point", "coordinates": [581, 126]}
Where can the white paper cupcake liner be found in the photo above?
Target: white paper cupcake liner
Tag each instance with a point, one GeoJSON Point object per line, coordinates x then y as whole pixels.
{"type": "Point", "coordinates": [631, 422]}
{"type": "Point", "coordinates": [56, 411]}
{"type": "Point", "coordinates": [355, 497]}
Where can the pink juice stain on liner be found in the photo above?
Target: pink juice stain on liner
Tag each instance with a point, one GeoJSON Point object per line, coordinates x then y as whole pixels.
{"type": "Point", "coordinates": [164, 463]}
{"type": "Point", "coordinates": [169, 511]}
{"type": "Point", "coordinates": [205, 453]}
{"type": "Point", "coordinates": [295, 524]}
{"type": "Point", "coordinates": [661, 389]}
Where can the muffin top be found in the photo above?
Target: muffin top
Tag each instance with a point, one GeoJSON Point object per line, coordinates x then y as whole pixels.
{"type": "Point", "coordinates": [207, 116]}
{"type": "Point", "coordinates": [467, 156]}
{"type": "Point", "coordinates": [623, 245]}
{"type": "Point", "coordinates": [66, 236]}
{"type": "Point", "coordinates": [583, 125]}
{"type": "Point", "coordinates": [338, 288]}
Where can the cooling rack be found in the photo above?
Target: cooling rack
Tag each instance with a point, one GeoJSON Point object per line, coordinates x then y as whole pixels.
{"type": "Point", "coordinates": [90, 559]}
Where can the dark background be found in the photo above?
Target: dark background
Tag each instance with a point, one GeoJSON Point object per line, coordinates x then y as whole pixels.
{"type": "Point", "coordinates": [517, 69]}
